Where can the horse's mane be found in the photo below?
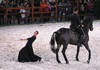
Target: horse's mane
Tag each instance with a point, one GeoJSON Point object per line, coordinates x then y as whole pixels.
{"type": "Point", "coordinates": [87, 19]}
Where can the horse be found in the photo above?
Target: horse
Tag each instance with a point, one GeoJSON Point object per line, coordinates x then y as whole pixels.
{"type": "Point", "coordinates": [65, 36]}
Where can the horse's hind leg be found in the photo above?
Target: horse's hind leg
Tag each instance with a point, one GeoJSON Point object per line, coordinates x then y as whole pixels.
{"type": "Point", "coordinates": [63, 52]}
{"type": "Point", "coordinates": [78, 49]}
{"type": "Point", "coordinates": [57, 56]}
{"type": "Point", "coordinates": [89, 51]}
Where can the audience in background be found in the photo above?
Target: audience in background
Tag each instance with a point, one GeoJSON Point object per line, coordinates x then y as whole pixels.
{"type": "Point", "coordinates": [64, 10]}
{"type": "Point", "coordinates": [47, 8]}
{"type": "Point", "coordinates": [86, 7]}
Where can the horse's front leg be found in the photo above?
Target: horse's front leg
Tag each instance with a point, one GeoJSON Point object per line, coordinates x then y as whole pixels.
{"type": "Point", "coordinates": [57, 56]}
{"type": "Point", "coordinates": [78, 49]}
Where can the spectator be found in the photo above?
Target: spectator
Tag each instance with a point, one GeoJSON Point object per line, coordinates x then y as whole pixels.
{"type": "Point", "coordinates": [36, 15]}
{"type": "Point", "coordinates": [0, 1]}
{"type": "Point", "coordinates": [45, 7]}
{"type": "Point", "coordinates": [82, 9]}
{"type": "Point", "coordinates": [10, 11]}
{"type": "Point", "coordinates": [37, 3]}
{"type": "Point", "coordinates": [2, 11]}
{"type": "Point", "coordinates": [62, 10]}
{"type": "Point", "coordinates": [48, 10]}
{"type": "Point", "coordinates": [28, 14]}
{"type": "Point", "coordinates": [22, 11]}
{"type": "Point", "coordinates": [89, 6]}
{"type": "Point", "coordinates": [18, 16]}
{"type": "Point", "coordinates": [68, 10]}
{"type": "Point", "coordinates": [53, 8]}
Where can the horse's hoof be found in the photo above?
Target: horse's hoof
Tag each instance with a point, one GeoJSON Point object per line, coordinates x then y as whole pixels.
{"type": "Point", "coordinates": [67, 62]}
{"type": "Point", "coordinates": [88, 61]}
{"type": "Point", "coordinates": [59, 61]}
{"type": "Point", "coordinates": [77, 59]}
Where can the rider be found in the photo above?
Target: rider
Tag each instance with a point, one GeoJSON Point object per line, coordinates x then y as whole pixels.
{"type": "Point", "coordinates": [76, 25]}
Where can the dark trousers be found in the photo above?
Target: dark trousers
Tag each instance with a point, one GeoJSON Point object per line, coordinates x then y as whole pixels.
{"type": "Point", "coordinates": [81, 34]}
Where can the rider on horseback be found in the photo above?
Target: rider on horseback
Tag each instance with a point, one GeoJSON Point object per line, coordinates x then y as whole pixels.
{"type": "Point", "coordinates": [76, 25]}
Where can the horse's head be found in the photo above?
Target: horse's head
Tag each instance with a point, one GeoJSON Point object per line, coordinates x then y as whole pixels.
{"type": "Point", "coordinates": [88, 22]}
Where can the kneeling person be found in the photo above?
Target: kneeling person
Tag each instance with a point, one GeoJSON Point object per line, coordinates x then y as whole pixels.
{"type": "Point", "coordinates": [26, 54]}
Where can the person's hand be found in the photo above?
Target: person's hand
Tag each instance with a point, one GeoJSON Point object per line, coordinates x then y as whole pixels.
{"type": "Point", "coordinates": [22, 39]}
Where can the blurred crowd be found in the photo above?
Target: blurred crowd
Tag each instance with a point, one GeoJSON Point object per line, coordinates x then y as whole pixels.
{"type": "Point", "coordinates": [44, 10]}
{"type": "Point", "coordinates": [87, 6]}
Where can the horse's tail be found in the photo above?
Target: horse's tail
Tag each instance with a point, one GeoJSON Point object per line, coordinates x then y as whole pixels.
{"type": "Point", "coordinates": [56, 38]}
{"type": "Point", "coordinates": [52, 42]}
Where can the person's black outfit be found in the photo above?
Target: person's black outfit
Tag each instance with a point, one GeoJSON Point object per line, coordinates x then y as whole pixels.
{"type": "Point", "coordinates": [26, 54]}
{"type": "Point", "coordinates": [76, 26]}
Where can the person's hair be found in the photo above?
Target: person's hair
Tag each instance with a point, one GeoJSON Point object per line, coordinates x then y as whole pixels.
{"type": "Point", "coordinates": [37, 32]}
{"type": "Point", "coordinates": [75, 9]}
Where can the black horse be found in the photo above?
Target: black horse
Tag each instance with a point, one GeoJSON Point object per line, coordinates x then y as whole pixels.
{"type": "Point", "coordinates": [65, 36]}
